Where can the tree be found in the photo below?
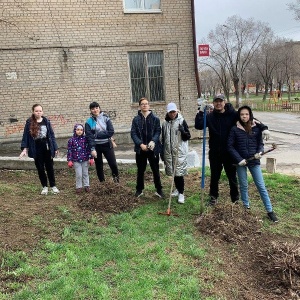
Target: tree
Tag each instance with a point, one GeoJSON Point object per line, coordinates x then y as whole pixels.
{"type": "Point", "coordinates": [233, 45]}
{"type": "Point", "coordinates": [268, 61]}
{"type": "Point", "coordinates": [295, 7]}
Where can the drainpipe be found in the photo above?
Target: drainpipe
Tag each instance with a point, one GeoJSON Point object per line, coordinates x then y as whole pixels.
{"type": "Point", "coordinates": [195, 49]}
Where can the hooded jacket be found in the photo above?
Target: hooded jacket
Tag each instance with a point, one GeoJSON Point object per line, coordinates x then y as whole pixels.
{"type": "Point", "coordinates": [99, 130]}
{"type": "Point", "coordinates": [175, 145]}
{"type": "Point", "coordinates": [29, 142]}
{"type": "Point", "coordinates": [78, 149]}
{"type": "Point", "coordinates": [243, 145]}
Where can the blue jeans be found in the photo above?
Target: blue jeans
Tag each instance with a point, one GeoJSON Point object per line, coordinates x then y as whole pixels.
{"type": "Point", "coordinates": [259, 182]}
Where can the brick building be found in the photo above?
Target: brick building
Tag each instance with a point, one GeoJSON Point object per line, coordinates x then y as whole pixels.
{"type": "Point", "coordinates": [64, 54]}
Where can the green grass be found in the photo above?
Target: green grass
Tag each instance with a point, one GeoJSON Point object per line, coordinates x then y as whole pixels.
{"type": "Point", "coordinates": [137, 255]}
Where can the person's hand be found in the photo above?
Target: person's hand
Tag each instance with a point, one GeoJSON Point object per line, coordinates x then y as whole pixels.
{"type": "Point", "coordinates": [151, 146]}
{"type": "Point", "coordinates": [242, 163]}
{"type": "Point", "coordinates": [258, 155]}
{"type": "Point", "coordinates": [91, 161]}
{"type": "Point", "coordinates": [203, 105]}
{"type": "Point", "coordinates": [181, 128]}
{"type": "Point", "coordinates": [144, 147]}
{"type": "Point", "coordinates": [266, 134]}
{"type": "Point", "coordinates": [94, 153]}
{"type": "Point", "coordinates": [70, 164]}
{"type": "Point", "coordinates": [23, 153]}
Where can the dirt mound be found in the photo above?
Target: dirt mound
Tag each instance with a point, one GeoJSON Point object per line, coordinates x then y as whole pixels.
{"type": "Point", "coordinates": [109, 198]}
{"type": "Point", "coordinates": [265, 267]}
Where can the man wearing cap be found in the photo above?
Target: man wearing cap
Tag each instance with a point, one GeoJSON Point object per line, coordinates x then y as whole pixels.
{"type": "Point", "coordinates": [175, 136]}
{"type": "Point", "coordinates": [219, 123]}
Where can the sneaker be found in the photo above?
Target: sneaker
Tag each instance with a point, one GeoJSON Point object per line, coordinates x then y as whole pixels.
{"type": "Point", "coordinates": [272, 217]}
{"type": "Point", "coordinates": [44, 191]}
{"type": "Point", "coordinates": [78, 191]}
{"type": "Point", "coordinates": [160, 194]}
{"type": "Point", "coordinates": [181, 198]}
{"type": "Point", "coordinates": [175, 193]}
{"type": "Point", "coordinates": [87, 189]}
{"type": "Point", "coordinates": [55, 190]}
{"type": "Point", "coordinates": [116, 179]}
{"type": "Point", "coordinates": [138, 194]}
{"type": "Point", "coordinates": [213, 201]}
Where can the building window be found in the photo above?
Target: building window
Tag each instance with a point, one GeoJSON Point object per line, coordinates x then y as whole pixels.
{"type": "Point", "coordinates": [146, 75]}
{"type": "Point", "coordinates": [143, 6]}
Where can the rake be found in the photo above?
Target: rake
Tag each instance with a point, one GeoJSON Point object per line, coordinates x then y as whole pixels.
{"type": "Point", "coordinates": [168, 212]}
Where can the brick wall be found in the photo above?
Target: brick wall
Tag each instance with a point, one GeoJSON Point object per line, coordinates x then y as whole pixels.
{"type": "Point", "coordinates": [65, 54]}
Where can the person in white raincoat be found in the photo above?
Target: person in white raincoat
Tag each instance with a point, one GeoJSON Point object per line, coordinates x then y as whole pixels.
{"type": "Point", "coordinates": [175, 136]}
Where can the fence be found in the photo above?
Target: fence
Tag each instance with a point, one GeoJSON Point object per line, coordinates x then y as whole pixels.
{"type": "Point", "coordinates": [282, 106]}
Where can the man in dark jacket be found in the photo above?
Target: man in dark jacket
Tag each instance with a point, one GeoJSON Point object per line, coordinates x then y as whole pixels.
{"type": "Point", "coordinates": [219, 123]}
{"type": "Point", "coordinates": [145, 133]}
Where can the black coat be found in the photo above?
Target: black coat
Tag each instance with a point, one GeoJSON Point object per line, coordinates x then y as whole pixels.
{"type": "Point", "coordinates": [219, 125]}
{"type": "Point", "coordinates": [144, 130]}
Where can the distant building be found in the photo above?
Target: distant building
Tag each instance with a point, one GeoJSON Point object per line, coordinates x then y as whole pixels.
{"type": "Point", "coordinates": [64, 54]}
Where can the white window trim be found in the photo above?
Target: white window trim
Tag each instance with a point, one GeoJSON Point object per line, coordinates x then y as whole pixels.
{"type": "Point", "coordinates": [141, 10]}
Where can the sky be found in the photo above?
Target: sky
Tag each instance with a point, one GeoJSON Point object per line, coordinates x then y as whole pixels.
{"type": "Point", "coordinates": [210, 13]}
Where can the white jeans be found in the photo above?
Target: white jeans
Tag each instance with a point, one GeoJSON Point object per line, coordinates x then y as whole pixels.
{"type": "Point", "coordinates": [82, 174]}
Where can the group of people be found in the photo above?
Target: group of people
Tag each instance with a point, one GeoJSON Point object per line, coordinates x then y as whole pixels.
{"type": "Point", "coordinates": [235, 144]}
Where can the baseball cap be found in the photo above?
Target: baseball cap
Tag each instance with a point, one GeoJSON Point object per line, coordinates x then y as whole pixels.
{"type": "Point", "coordinates": [219, 96]}
{"type": "Point", "coordinates": [171, 107]}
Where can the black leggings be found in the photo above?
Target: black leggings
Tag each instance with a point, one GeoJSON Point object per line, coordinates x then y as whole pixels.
{"type": "Point", "coordinates": [109, 154]}
{"type": "Point", "coordinates": [44, 160]}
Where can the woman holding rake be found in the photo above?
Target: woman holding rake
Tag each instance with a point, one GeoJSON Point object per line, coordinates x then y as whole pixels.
{"type": "Point", "coordinates": [245, 141]}
{"type": "Point", "coordinates": [175, 136]}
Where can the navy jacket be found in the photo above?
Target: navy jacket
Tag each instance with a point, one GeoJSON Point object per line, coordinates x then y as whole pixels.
{"type": "Point", "coordinates": [242, 145]}
{"type": "Point", "coordinates": [29, 142]}
{"type": "Point", "coordinates": [144, 130]}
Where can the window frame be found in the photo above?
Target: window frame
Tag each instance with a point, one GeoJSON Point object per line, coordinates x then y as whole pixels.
{"type": "Point", "coordinates": [142, 10]}
{"type": "Point", "coordinates": [147, 84]}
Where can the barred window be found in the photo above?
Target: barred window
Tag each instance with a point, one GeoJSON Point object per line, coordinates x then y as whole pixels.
{"type": "Point", "coordinates": [146, 75]}
{"type": "Point", "coordinates": [142, 5]}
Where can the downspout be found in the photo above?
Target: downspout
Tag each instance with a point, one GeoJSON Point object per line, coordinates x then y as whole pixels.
{"type": "Point", "coordinates": [195, 50]}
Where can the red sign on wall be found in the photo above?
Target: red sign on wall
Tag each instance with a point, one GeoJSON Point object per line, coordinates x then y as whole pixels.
{"type": "Point", "coordinates": [203, 50]}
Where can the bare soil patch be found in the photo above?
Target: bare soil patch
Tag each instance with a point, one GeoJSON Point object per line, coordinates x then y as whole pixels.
{"type": "Point", "coordinates": [256, 264]}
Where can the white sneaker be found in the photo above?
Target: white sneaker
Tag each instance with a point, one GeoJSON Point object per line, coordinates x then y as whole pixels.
{"type": "Point", "coordinates": [55, 190]}
{"type": "Point", "coordinates": [175, 193]}
{"type": "Point", "coordinates": [44, 191]}
{"type": "Point", "coordinates": [181, 198]}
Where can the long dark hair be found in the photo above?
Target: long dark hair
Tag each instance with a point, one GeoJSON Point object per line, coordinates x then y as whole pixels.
{"type": "Point", "coordinates": [246, 125]}
{"type": "Point", "coordinates": [34, 126]}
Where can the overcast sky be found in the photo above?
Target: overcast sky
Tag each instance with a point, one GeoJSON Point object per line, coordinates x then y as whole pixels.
{"type": "Point", "coordinates": [275, 13]}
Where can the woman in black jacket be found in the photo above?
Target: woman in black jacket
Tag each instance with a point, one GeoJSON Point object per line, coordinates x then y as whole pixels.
{"type": "Point", "coordinates": [244, 143]}
{"type": "Point", "coordinates": [40, 144]}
